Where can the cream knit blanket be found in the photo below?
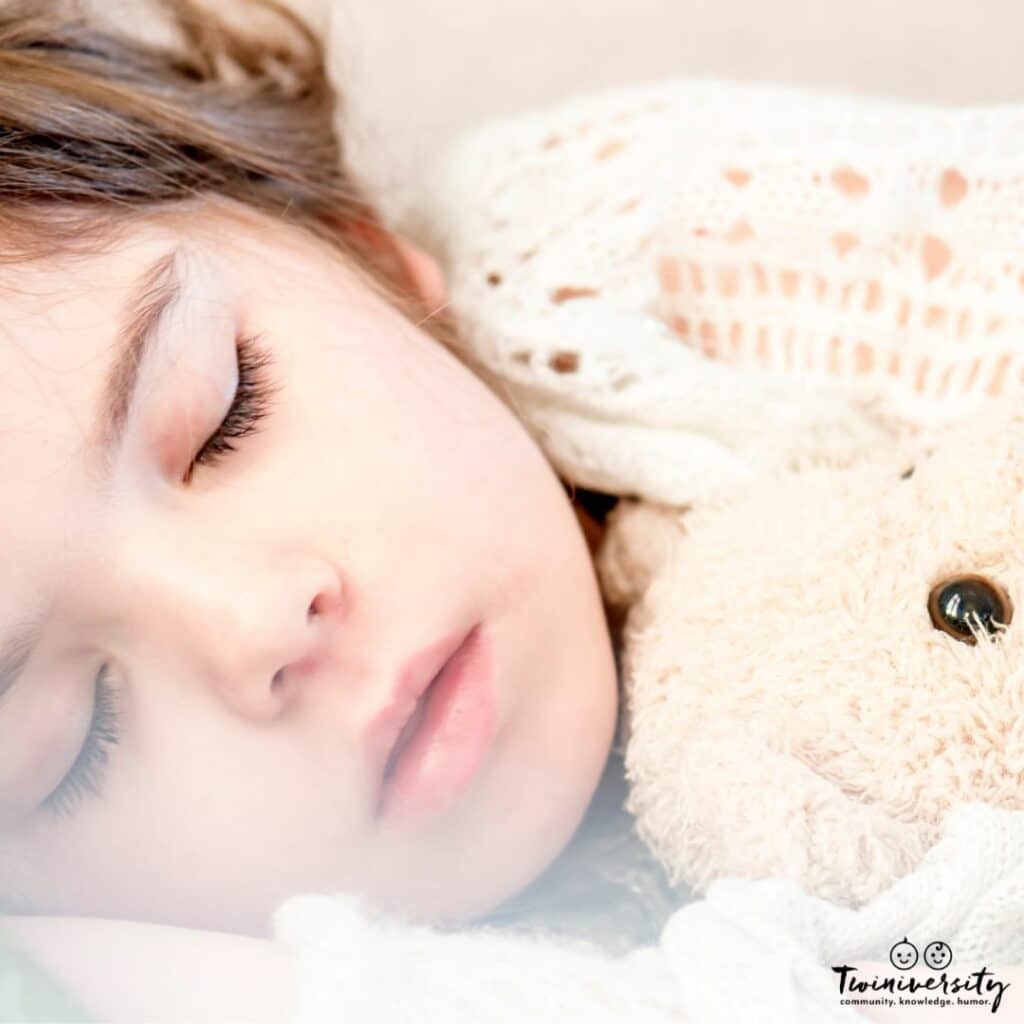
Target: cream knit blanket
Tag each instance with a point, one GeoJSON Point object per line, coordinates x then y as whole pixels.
{"type": "Point", "coordinates": [750, 952]}
{"type": "Point", "coordinates": [685, 283]}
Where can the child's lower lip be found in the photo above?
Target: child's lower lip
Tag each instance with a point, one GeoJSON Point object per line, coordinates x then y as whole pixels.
{"type": "Point", "coordinates": [449, 745]}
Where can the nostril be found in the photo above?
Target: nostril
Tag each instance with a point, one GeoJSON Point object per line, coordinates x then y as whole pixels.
{"type": "Point", "coordinates": [278, 681]}
{"type": "Point", "coordinates": [323, 604]}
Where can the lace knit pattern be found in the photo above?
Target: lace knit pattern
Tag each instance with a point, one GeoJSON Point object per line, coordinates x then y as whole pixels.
{"type": "Point", "coordinates": [741, 276]}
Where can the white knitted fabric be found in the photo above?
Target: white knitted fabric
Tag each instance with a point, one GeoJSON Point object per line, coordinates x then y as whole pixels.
{"type": "Point", "coordinates": [751, 952]}
{"type": "Point", "coordinates": [685, 283]}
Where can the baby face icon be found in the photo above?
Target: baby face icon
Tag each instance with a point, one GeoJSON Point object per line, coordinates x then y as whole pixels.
{"type": "Point", "coordinates": [903, 955]}
{"type": "Point", "coordinates": [937, 955]}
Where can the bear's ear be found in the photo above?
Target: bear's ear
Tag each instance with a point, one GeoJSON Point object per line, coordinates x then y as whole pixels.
{"type": "Point", "coordinates": [639, 538]}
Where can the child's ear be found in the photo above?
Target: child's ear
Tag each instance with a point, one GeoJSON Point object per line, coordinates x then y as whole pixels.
{"type": "Point", "coordinates": [418, 267]}
{"type": "Point", "coordinates": [423, 271]}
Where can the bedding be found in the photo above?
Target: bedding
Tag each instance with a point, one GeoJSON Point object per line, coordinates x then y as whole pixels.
{"type": "Point", "coordinates": [683, 284]}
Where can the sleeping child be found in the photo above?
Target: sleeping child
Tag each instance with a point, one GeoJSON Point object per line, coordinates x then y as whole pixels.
{"type": "Point", "coordinates": [311, 704]}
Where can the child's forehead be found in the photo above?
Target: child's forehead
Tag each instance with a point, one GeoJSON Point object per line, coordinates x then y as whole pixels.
{"type": "Point", "coordinates": [62, 313]}
{"type": "Point", "coordinates": [111, 250]}
{"type": "Point", "coordinates": [48, 288]}
{"type": "Point", "coordinates": [59, 321]}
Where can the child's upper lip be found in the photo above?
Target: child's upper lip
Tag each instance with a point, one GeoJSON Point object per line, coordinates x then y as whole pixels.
{"type": "Point", "coordinates": [414, 675]}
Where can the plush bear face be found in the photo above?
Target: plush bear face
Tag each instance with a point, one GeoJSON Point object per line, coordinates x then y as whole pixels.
{"type": "Point", "coordinates": [803, 698]}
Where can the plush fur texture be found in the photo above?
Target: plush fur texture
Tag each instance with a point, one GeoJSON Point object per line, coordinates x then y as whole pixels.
{"type": "Point", "coordinates": [792, 710]}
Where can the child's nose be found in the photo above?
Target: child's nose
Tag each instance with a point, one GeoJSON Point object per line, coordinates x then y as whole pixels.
{"type": "Point", "coordinates": [253, 633]}
{"type": "Point", "coordinates": [259, 647]}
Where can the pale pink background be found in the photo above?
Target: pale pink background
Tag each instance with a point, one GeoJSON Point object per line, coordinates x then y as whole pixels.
{"type": "Point", "coordinates": [415, 72]}
{"type": "Point", "coordinates": [418, 70]}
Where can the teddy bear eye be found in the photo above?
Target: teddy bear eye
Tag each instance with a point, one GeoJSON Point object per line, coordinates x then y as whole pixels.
{"type": "Point", "coordinates": [960, 601]}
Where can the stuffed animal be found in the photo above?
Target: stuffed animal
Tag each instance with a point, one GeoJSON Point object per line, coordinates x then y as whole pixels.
{"type": "Point", "coordinates": [819, 668]}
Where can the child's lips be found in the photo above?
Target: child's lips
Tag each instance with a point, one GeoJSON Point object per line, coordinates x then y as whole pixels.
{"type": "Point", "coordinates": [449, 745]}
{"type": "Point", "coordinates": [425, 745]}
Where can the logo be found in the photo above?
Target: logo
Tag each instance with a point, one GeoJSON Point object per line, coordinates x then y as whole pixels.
{"type": "Point", "coordinates": [930, 985]}
{"type": "Point", "coordinates": [903, 955]}
{"type": "Point", "coordinates": [938, 955]}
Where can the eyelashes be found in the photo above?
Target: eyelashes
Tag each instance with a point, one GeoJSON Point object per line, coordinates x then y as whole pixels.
{"type": "Point", "coordinates": [85, 775]}
{"type": "Point", "coordinates": [249, 406]}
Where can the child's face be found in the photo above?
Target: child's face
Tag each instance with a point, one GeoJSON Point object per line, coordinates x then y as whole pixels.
{"type": "Point", "coordinates": [257, 613]}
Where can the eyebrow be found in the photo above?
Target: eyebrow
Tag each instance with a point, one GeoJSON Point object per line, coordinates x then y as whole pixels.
{"type": "Point", "coordinates": [150, 301]}
{"type": "Point", "coordinates": [152, 298]}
